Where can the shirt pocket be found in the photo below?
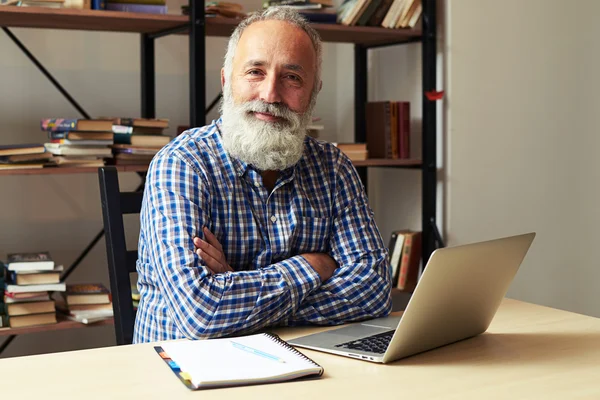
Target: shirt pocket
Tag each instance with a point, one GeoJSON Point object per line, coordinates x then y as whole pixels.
{"type": "Point", "coordinates": [310, 235]}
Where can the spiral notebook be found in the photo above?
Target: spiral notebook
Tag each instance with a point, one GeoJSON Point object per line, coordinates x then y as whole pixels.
{"type": "Point", "coordinates": [237, 361]}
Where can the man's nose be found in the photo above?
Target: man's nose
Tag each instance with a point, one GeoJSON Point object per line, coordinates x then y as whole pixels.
{"type": "Point", "coordinates": [269, 91]}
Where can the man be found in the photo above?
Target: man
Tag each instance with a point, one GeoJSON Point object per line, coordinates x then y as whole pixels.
{"type": "Point", "coordinates": [248, 222]}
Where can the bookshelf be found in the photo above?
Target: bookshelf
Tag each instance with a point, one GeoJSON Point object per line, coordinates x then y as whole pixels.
{"type": "Point", "coordinates": [197, 27]}
{"type": "Point", "coordinates": [116, 21]}
{"type": "Point", "coordinates": [62, 324]}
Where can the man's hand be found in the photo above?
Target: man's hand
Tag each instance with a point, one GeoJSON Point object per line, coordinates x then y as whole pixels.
{"type": "Point", "coordinates": [211, 251]}
{"type": "Point", "coordinates": [322, 263]}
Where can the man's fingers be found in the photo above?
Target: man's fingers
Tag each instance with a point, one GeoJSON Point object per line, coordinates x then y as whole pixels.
{"type": "Point", "coordinates": [212, 239]}
{"type": "Point", "coordinates": [197, 241]}
{"type": "Point", "coordinates": [213, 264]}
{"type": "Point", "coordinates": [210, 250]}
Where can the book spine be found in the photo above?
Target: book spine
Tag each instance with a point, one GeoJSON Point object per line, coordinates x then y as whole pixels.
{"type": "Point", "coordinates": [98, 5]}
{"type": "Point", "coordinates": [137, 8]}
{"type": "Point", "coordinates": [380, 13]}
{"type": "Point", "coordinates": [122, 138]}
{"type": "Point", "coordinates": [55, 135]}
{"type": "Point", "coordinates": [393, 149]}
{"type": "Point", "coordinates": [122, 129]}
{"type": "Point", "coordinates": [322, 18]}
{"type": "Point", "coordinates": [405, 262]}
{"type": "Point", "coordinates": [58, 124]}
{"type": "Point", "coordinates": [405, 132]}
{"type": "Point", "coordinates": [388, 130]}
{"type": "Point", "coordinates": [396, 247]}
{"type": "Point", "coordinates": [411, 257]}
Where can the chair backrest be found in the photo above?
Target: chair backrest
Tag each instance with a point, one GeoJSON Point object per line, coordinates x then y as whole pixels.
{"type": "Point", "coordinates": [121, 262]}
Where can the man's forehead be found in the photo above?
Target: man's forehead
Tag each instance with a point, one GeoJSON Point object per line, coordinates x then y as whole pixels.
{"type": "Point", "coordinates": [275, 38]}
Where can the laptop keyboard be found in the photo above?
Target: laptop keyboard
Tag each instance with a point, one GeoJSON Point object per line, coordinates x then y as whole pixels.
{"type": "Point", "coordinates": [375, 343]}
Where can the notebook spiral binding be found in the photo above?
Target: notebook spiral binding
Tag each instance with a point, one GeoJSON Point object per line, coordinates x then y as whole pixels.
{"type": "Point", "coordinates": [291, 348]}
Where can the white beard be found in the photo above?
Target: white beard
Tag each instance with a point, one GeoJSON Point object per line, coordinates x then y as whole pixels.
{"type": "Point", "coordinates": [268, 146]}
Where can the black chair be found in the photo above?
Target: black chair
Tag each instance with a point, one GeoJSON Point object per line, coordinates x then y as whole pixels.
{"type": "Point", "coordinates": [121, 262]}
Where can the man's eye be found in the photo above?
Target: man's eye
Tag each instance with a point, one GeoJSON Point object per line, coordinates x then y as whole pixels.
{"type": "Point", "coordinates": [293, 77]}
{"type": "Point", "coordinates": [254, 72]}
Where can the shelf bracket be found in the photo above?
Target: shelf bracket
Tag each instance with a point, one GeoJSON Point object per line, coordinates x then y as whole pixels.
{"type": "Point", "coordinates": [171, 31]}
{"type": "Point", "coordinates": [197, 63]}
{"type": "Point", "coordinates": [360, 101]}
{"type": "Point", "coordinates": [46, 73]}
{"type": "Point", "coordinates": [148, 77]}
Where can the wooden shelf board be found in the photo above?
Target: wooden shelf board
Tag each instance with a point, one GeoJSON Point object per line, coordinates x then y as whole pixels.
{"type": "Point", "coordinates": [365, 34]}
{"type": "Point", "coordinates": [87, 20]}
{"type": "Point", "coordinates": [388, 162]}
{"type": "Point", "coordinates": [62, 324]}
{"type": "Point", "coordinates": [70, 170]}
{"type": "Point", "coordinates": [372, 162]}
{"type": "Point", "coordinates": [116, 21]}
{"type": "Point", "coordinates": [336, 33]}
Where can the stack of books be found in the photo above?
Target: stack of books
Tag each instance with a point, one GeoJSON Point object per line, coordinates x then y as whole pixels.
{"type": "Point", "coordinates": [405, 258]}
{"type": "Point", "coordinates": [318, 11]}
{"type": "Point", "coordinates": [394, 14]}
{"type": "Point", "coordinates": [78, 142]}
{"type": "Point", "coordinates": [388, 129]}
{"type": "Point", "coordinates": [85, 302]}
{"type": "Point", "coordinates": [137, 140]}
{"type": "Point", "coordinates": [24, 156]}
{"type": "Point", "coordinates": [28, 277]}
{"type": "Point", "coordinates": [138, 6]}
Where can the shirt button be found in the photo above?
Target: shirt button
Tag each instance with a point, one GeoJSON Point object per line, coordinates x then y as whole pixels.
{"type": "Point", "coordinates": [256, 184]}
{"type": "Point", "coordinates": [273, 218]}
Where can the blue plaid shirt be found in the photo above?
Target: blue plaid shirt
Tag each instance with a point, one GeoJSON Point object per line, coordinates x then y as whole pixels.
{"type": "Point", "coordinates": [318, 205]}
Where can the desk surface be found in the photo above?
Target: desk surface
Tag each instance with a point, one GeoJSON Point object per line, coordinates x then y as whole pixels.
{"type": "Point", "coordinates": [529, 352]}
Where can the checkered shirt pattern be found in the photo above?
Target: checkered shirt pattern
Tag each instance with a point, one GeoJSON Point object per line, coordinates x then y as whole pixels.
{"type": "Point", "coordinates": [318, 205]}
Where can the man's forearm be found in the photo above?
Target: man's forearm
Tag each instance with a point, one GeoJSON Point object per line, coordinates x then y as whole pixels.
{"type": "Point", "coordinates": [351, 294]}
{"type": "Point", "coordinates": [238, 302]}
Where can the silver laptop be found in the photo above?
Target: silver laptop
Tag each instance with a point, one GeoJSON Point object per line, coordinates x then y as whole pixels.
{"type": "Point", "coordinates": [456, 298]}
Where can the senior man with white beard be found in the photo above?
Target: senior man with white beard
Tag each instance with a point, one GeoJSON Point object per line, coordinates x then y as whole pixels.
{"type": "Point", "coordinates": [248, 222]}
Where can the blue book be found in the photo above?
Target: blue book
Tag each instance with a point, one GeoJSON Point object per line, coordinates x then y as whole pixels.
{"type": "Point", "coordinates": [98, 5]}
{"type": "Point", "coordinates": [137, 8]}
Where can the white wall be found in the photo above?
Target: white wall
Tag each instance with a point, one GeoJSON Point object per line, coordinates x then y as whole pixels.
{"type": "Point", "coordinates": [522, 139]}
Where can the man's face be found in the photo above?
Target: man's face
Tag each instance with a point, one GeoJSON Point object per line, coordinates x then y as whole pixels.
{"type": "Point", "coordinates": [268, 100]}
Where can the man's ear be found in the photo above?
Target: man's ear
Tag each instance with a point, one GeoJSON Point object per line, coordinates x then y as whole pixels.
{"type": "Point", "coordinates": [222, 78]}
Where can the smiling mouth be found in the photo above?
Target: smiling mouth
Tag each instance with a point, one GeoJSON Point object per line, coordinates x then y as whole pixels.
{"type": "Point", "coordinates": [266, 117]}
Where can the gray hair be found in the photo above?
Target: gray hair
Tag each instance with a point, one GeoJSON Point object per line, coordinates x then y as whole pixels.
{"type": "Point", "coordinates": [286, 14]}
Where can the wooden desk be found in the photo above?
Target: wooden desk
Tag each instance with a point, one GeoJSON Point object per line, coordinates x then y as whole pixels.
{"type": "Point", "coordinates": [529, 352]}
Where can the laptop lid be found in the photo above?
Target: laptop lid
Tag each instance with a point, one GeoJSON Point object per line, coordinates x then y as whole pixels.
{"type": "Point", "coordinates": [458, 294]}
{"type": "Point", "coordinates": [456, 298]}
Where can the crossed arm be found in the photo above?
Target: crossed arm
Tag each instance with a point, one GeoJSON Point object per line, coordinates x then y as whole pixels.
{"type": "Point", "coordinates": [211, 251]}
{"type": "Point", "coordinates": [205, 298]}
